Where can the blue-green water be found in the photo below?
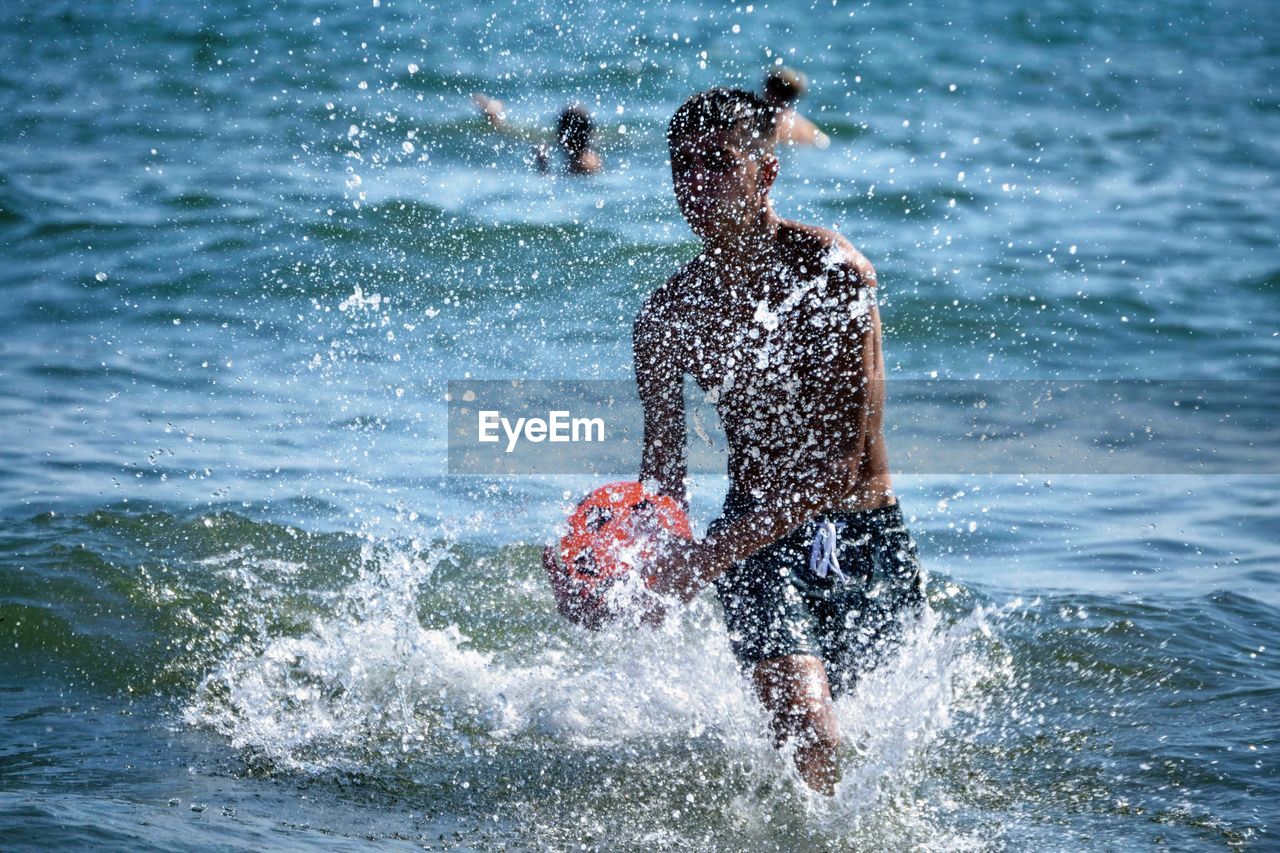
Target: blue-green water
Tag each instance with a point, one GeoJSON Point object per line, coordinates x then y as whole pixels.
{"type": "Point", "coordinates": [242, 605]}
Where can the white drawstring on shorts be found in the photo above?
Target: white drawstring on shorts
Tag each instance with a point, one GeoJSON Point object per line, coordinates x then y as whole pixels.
{"type": "Point", "coordinates": [824, 557]}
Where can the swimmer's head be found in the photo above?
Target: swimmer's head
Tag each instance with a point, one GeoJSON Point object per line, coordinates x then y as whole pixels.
{"type": "Point", "coordinates": [722, 162]}
{"type": "Point", "coordinates": [574, 129]}
{"type": "Point", "coordinates": [784, 86]}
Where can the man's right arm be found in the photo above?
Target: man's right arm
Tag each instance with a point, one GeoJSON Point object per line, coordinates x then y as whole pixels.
{"type": "Point", "coordinates": [660, 384]}
{"type": "Point", "coordinates": [663, 466]}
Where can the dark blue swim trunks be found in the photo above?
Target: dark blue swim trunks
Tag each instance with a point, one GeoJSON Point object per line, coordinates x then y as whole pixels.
{"type": "Point", "coordinates": [838, 587]}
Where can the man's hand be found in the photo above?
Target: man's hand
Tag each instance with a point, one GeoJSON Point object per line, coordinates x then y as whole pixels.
{"type": "Point", "coordinates": [680, 569]}
{"type": "Point", "coordinates": [587, 611]}
{"type": "Point", "coordinates": [590, 611]}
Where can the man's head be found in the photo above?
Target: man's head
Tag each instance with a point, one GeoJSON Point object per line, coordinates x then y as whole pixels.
{"type": "Point", "coordinates": [784, 86]}
{"type": "Point", "coordinates": [573, 130]}
{"type": "Point", "coordinates": [722, 162]}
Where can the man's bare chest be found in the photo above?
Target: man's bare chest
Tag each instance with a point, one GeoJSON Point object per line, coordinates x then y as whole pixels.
{"type": "Point", "coordinates": [759, 352]}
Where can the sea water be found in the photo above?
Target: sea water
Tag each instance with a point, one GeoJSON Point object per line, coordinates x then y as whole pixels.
{"type": "Point", "coordinates": [243, 604]}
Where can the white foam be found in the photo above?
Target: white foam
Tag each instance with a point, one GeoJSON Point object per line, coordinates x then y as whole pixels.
{"type": "Point", "coordinates": [368, 686]}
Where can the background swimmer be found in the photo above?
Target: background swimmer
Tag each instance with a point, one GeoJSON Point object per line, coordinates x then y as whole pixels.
{"type": "Point", "coordinates": [574, 130]}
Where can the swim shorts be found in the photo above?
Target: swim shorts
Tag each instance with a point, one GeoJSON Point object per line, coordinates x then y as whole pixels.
{"type": "Point", "coordinates": [839, 587]}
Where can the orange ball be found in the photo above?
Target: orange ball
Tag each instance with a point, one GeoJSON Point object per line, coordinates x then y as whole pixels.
{"type": "Point", "coordinates": [616, 529]}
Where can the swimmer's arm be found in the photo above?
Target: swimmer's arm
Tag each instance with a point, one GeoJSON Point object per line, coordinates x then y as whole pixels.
{"type": "Point", "coordinates": [659, 381]}
{"type": "Point", "coordinates": [795, 129]}
{"type": "Point", "coordinates": [492, 109]}
{"type": "Point", "coordinates": [495, 112]}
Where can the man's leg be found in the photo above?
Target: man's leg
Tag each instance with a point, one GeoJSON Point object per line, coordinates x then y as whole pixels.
{"type": "Point", "coordinates": [794, 690]}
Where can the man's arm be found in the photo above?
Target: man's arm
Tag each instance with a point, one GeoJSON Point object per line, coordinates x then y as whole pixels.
{"type": "Point", "coordinates": [663, 465]}
{"type": "Point", "coordinates": [688, 568]}
{"type": "Point", "coordinates": [852, 370]}
{"type": "Point", "coordinates": [660, 384]}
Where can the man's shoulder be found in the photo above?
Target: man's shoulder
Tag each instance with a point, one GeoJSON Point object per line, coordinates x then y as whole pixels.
{"type": "Point", "coordinates": [660, 330]}
{"type": "Point", "coordinates": [825, 250]}
{"type": "Point", "coordinates": [667, 302]}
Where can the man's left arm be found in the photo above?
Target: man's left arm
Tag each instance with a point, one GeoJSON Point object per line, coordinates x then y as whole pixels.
{"type": "Point", "coordinates": [853, 370]}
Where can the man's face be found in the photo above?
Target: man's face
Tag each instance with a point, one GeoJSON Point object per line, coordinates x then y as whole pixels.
{"type": "Point", "coordinates": [719, 183]}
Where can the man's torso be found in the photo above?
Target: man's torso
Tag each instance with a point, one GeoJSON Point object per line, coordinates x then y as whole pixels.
{"type": "Point", "coordinates": [762, 347]}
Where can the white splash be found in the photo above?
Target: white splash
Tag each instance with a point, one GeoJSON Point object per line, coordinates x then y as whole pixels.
{"type": "Point", "coordinates": [369, 687]}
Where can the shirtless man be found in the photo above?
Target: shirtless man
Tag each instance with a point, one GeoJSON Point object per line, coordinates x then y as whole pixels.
{"type": "Point", "coordinates": [777, 322]}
